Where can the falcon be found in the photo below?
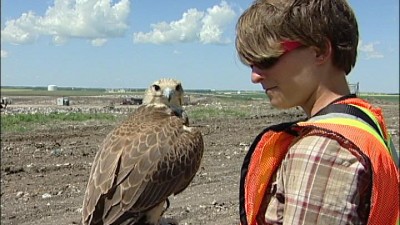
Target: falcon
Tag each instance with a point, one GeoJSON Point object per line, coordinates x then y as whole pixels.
{"type": "Point", "coordinates": [150, 156]}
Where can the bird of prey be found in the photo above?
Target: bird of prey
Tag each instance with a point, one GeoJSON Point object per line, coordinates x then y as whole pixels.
{"type": "Point", "coordinates": [152, 155]}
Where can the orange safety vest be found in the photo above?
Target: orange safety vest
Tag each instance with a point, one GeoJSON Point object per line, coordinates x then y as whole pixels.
{"type": "Point", "coordinates": [270, 147]}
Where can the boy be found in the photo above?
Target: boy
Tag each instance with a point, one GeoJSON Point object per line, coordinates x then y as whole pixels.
{"type": "Point", "coordinates": [335, 167]}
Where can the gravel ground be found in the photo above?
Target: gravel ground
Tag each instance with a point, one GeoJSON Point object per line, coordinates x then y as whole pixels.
{"type": "Point", "coordinates": [44, 171]}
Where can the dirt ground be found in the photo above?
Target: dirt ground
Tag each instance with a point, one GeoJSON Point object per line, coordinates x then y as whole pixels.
{"type": "Point", "coordinates": [44, 172]}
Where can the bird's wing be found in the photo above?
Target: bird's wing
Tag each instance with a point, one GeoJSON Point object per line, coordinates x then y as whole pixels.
{"type": "Point", "coordinates": [177, 168]}
{"type": "Point", "coordinates": [140, 164]}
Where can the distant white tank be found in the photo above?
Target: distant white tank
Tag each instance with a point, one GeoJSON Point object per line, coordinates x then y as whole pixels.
{"type": "Point", "coordinates": [52, 87]}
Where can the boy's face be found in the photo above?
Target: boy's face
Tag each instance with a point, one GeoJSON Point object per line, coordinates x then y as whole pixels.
{"type": "Point", "coordinates": [291, 81]}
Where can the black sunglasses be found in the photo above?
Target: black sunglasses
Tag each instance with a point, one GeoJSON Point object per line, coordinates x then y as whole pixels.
{"type": "Point", "coordinates": [268, 63]}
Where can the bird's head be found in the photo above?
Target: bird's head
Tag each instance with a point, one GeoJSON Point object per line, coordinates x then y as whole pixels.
{"type": "Point", "coordinates": [165, 91]}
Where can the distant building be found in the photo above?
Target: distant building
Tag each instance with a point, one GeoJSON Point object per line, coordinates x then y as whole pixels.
{"type": "Point", "coordinates": [354, 88]}
{"type": "Point", "coordinates": [52, 87]}
{"type": "Point", "coordinates": [63, 101]}
{"type": "Point", "coordinates": [111, 90]}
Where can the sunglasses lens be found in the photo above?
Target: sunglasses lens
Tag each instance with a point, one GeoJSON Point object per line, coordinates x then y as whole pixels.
{"type": "Point", "coordinates": [267, 63]}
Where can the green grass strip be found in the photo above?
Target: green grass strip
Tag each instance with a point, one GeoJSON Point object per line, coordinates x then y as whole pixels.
{"type": "Point", "coordinates": [27, 122]}
{"type": "Point", "coordinates": [204, 113]}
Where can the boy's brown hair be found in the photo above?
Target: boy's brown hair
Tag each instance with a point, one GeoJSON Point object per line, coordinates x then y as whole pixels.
{"type": "Point", "coordinates": [266, 23]}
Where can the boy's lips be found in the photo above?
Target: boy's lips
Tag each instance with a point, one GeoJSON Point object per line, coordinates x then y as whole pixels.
{"type": "Point", "coordinates": [267, 89]}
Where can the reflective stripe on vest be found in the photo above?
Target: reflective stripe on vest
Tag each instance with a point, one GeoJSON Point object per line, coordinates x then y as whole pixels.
{"type": "Point", "coordinates": [350, 122]}
{"type": "Point", "coordinates": [384, 135]}
{"type": "Point", "coordinates": [376, 115]}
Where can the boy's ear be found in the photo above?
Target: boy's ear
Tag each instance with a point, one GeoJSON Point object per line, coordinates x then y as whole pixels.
{"type": "Point", "coordinates": [323, 54]}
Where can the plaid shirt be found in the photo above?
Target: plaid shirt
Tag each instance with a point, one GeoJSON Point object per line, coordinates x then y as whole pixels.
{"type": "Point", "coordinates": [320, 181]}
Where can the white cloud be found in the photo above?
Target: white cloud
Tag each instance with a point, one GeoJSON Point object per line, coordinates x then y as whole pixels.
{"type": "Point", "coordinates": [21, 30]}
{"type": "Point", "coordinates": [183, 30]}
{"type": "Point", "coordinates": [205, 27]}
{"type": "Point", "coordinates": [88, 19]}
{"type": "Point", "coordinates": [4, 54]}
{"type": "Point", "coordinates": [60, 40]}
{"type": "Point", "coordinates": [99, 42]}
{"type": "Point", "coordinates": [215, 20]}
{"type": "Point", "coordinates": [368, 49]}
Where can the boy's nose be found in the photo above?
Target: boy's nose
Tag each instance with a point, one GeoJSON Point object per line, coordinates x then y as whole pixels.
{"type": "Point", "coordinates": [255, 77]}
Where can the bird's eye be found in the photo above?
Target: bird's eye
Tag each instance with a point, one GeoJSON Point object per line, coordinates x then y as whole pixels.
{"type": "Point", "coordinates": [156, 87]}
{"type": "Point", "coordinates": [178, 87]}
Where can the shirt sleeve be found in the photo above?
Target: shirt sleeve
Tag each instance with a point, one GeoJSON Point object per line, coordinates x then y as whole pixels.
{"type": "Point", "coordinates": [320, 182]}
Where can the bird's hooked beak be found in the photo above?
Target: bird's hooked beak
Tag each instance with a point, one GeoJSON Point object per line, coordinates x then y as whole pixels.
{"type": "Point", "coordinates": [168, 93]}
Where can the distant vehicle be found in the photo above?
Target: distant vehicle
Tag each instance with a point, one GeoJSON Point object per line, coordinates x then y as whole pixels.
{"type": "Point", "coordinates": [132, 101]}
{"type": "Point", "coordinates": [5, 101]}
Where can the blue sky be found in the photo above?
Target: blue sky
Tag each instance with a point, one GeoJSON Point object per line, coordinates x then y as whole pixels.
{"type": "Point", "coordinates": [129, 44]}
